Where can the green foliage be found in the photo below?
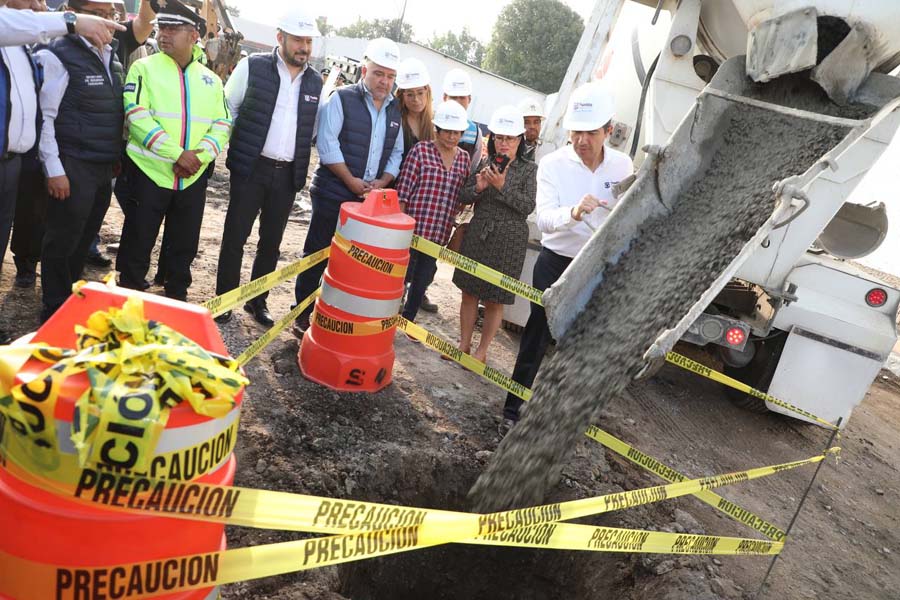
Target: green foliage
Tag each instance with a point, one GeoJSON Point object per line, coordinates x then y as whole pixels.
{"type": "Point", "coordinates": [324, 28]}
{"type": "Point", "coordinates": [464, 47]}
{"type": "Point", "coordinates": [533, 42]}
{"type": "Point", "coordinates": [376, 28]}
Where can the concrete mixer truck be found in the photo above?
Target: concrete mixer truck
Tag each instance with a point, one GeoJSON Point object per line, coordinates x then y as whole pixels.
{"type": "Point", "coordinates": [790, 314]}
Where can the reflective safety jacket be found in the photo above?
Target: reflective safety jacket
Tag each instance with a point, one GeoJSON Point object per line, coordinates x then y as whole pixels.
{"type": "Point", "coordinates": [169, 110]}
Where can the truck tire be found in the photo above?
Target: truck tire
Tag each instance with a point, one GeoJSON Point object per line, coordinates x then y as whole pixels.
{"type": "Point", "coordinates": [758, 373]}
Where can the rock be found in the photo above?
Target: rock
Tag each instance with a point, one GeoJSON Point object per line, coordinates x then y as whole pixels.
{"type": "Point", "coordinates": [284, 366]}
{"type": "Point", "coordinates": [828, 507]}
{"type": "Point", "coordinates": [879, 491]}
{"type": "Point", "coordinates": [678, 527]}
{"type": "Point", "coordinates": [687, 521]}
{"type": "Point", "coordinates": [664, 567]}
{"type": "Point", "coordinates": [350, 485]}
{"type": "Point", "coordinates": [261, 466]}
{"type": "Point", "coordinates": [886, 550]}
{"type": "Point", "coordinates": [483, 454]}
{"type": "Point", "coordinates": [376, 418]}
{"type": "Point", "coordinates": [630, 422]}
{"type": "Point", "coordinates": [717, 562]}
{"type": "Point", "coordinates": [458, 385]}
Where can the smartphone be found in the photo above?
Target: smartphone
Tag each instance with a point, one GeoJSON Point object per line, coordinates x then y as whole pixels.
{"type": "Point", "coordinates": [499, 161]}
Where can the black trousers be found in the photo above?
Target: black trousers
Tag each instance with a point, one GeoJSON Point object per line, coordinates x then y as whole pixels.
{"type": "Point", "coordinates": [268, 192]}
{"type": "Point", "coordinates": [321, 229]}
{"type": "Point", "coordinates": [9, 184]}
{"type": "Point", "coordinates": [31, 216]}
{"type": "Point", "coordinates": [419, 275]}
{"type": "Point", "coordinates": [71, 227]}
{"type": "Point", "coordinates": [536, 337]}
{"type": "Point", "coordinates": [183, 212]}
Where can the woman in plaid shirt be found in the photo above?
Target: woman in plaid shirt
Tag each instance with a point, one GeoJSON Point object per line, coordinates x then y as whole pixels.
{"type": "Point", "coordinates": [429, 184]}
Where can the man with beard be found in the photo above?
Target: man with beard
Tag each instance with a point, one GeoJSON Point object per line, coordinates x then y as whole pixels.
{"type": "Point", "coordinates": [273, 100]}
{"type": "Point", "coordinates": [360, 146]}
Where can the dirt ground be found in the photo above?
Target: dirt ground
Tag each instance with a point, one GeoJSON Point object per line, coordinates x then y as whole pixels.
{"type": "Point", "coordinates": [424, 439]}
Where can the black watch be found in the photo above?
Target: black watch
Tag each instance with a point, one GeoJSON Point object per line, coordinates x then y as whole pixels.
{"type": "Point", "coordinates": [70, 18]}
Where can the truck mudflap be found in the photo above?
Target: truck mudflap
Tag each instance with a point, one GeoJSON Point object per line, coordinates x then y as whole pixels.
{"type": "Point", "coordinates": [669, 171]}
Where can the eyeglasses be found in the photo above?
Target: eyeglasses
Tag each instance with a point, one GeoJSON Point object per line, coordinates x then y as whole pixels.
{"type": "Point", "coordinates": [506, 139]}
{"type": "Point", "coordinates": [112, 15]}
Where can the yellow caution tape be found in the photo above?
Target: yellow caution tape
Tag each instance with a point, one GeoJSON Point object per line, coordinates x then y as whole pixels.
{"type": "Point", "coordinates": [354, 328]}
{"type": "Point", "coordinates": [380, 265]}
{"type": "Point", "coordinates": [267, 338]}
{"type": "Point", "coordinates": [652, 465]}
{"type": "Point", "coordinates": [236, 297]}
{"type": "Point", "coordinates": [464, 263]}
{"type": "Point", "coordinates": [701, 369]}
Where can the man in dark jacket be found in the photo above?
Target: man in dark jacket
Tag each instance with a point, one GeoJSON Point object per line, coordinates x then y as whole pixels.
{"type": "Point", "coordinates": [360, 147]}
{"type": "Point", "coordinates": [273, 99]}
{"type": "Point", "coordinates": [81, 142]}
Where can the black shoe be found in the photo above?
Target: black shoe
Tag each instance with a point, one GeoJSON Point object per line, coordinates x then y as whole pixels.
{"type": "Point", "coordinates": [145, 285]}
{"type": "Point", "coordinates": [158, 279]}
{"type": "Point", "coordinates": [225, 317]}
{"type": "Point", "coordinates": [300, 326]}
{"type": "Point", "coordinates": [97, 260]}
{"type": "Point", "coordinates": [260, 313]}
{"type": "Point", "coordinates": [428, 306]}
{"type": "Point", "coordinates": [5, 338]}
{"type": "Point", "coordinates": [25, 280]}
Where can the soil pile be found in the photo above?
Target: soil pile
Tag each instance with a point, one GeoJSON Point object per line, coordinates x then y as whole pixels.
{"type": "Point", "coordinates": [664, 272]}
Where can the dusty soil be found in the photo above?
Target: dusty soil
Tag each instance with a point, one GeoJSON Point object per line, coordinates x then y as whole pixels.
{"type": "Point", "coordinates": [426, 438]}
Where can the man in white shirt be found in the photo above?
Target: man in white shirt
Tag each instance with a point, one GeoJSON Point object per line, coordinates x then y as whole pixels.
{"type": "Point", "coordinates": [574, 195]}
{"type": "Point", "coordinates": [273, 99]}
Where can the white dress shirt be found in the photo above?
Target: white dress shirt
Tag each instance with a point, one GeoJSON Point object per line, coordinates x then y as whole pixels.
{"type": "Point", "coordinates": [56, 82]}
{"type": "Point", "coordinates": [281, 140]}
{"type": "Point", "coordinates": [20, 27]}
{"type": "Point", "coordinates": [22, 105]}
{"type": "Point", "coordinates": [562, 181]}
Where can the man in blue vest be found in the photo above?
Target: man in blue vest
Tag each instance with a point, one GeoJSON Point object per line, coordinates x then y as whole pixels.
{"type": "Point", "coordinates": [81, 143]}
{"type": "Point", "coordinates": [273, 99]}
{"type": "Point", "coordinates": [360, 149]}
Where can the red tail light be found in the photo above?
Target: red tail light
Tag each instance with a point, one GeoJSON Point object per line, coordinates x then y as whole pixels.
{"type": "Point", "coordinates": [735, 336]}
{"type": "Point", "coordinates": [876, 297]}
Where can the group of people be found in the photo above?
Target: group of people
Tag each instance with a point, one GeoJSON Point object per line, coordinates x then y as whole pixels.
{"type": "Point", "coordinates": [384, 131]}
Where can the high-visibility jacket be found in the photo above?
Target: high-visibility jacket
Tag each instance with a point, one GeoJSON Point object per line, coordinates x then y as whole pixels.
{"type": "Point", "coordinates": [169, 110]}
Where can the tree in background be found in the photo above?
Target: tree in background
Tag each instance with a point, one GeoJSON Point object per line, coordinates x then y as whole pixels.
{"type": "Point", "coordinates": [232, 10]}
{"type": "Point", "coordinates": [376, 28]}
{"type": "Point", "coordinates": [533, 42]}
{"type": "Point", "coordinates": [324, 28]}
{"type": "Point", "coordinates": [464, 47]}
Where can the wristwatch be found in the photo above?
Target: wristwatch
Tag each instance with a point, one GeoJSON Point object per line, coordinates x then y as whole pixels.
{"type": "Point", "coordinates": [70, 18]}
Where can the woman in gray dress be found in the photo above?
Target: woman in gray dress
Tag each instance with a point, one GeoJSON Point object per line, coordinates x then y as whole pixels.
{"type": "Point", "coordinates": [503, 192]}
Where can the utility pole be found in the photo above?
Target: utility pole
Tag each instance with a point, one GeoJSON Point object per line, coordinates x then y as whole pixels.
{"type": "Point", "coordinates": [400, 22]}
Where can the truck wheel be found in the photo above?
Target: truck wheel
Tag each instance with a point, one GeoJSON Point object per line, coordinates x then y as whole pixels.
{"type": "Point", "coordinates": [758, 373]}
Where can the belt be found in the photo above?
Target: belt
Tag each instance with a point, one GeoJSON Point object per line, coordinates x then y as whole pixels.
{"type": "Point", "coordinates": [275, 164]}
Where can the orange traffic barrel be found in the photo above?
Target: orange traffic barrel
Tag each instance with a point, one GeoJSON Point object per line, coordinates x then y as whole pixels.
{"type": "Point", "coordinates": [349, 345]}
{"type": "Point", "coordinates": [44, 527]}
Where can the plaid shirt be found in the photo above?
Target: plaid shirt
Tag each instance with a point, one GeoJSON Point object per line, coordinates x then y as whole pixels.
{"type": "Point", "coordinates": [430, 191]}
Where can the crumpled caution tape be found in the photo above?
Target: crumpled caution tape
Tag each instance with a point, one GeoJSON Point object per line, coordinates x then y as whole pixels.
{"type": "Point", "coordinates": [137, 370]}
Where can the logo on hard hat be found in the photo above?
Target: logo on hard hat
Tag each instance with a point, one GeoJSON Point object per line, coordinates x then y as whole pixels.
{"type": "Point", "coordinates": [304, 24]}
{"type": "Point", "coordinates": [582, 106]}
{"type": "Point", "coordinates": [505, 121]}
{"type": "Point", "coordinates": [390, 54]}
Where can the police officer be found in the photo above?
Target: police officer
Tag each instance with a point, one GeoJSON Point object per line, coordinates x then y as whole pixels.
{"type": "Point", "coordinates": [178, 123]}
{"type": "Point", "coordinates": [534, 118]}
{"type": "Point", "coordinates": [273, 100]}
{"type": "Point", "coordinates": [360, 147]}
{"type": "Point", "coordinates": [81, 137]}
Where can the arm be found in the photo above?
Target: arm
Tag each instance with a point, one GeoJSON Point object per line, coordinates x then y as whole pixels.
{"type": "Point", "coordinates": [471, 190]}
{"type": "Point", "coordinates": [142, 23]}
{"type": "Point", "coordinates": [212, 142]}
{"type": "Point", "coordinates": [143, 129]}
{"type": "Point", "coordinates": [552, 216]}
{"type": "Point", "coordinates": [236, 87]}
{"type": "Point", "coordinates": [19, 27]}
{"type": "Point", "coordinates": [55, 83]}
{"type": "Point", "coordinates": [521, 190]}
{"type": "Point", "coordinates": [409, 177]}
{"type": "Point", "coordinates": [331, 120]}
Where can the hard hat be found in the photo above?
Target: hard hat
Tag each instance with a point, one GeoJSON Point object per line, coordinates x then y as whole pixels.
{"type": "Point", "coordinates": [457, 83]}
{"type": "Point", "coordinates": [507, 120]}
{"type": "Point", "coordinates": [531, 108]}
{"type": "Point", "coordinates": [591, 106]}
{"type": "Point", "coordinates": [412, 74]}
{"type": "Point", "coordinates": [451, 115]}
{"type": "Point", "coordinates": [296, 21]}
{"type": "Point", "coordinates": [383, 52]}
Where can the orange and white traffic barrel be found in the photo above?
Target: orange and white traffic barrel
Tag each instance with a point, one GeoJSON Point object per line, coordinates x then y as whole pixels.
{"type": "Point", "coordinates": [42, 526]}
{"type": "Point", "coordinates": [349, 345]}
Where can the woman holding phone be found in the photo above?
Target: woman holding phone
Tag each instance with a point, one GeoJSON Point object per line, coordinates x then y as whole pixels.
{"type": "Point", "coordinates": [502, 190]}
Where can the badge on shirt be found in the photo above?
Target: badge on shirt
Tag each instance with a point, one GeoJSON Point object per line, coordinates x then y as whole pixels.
{"type": "Point", "coordinates": [130, 87]}
{"type": "Point", "coordinates": [609, 184]}
{"type": "Point", "coordinates": [394, 124]}
{"type": "Point", "coordinates": [94, 80]}
{"type": "Point", "coordinates": [207, 79]}
{"type": "Point", "coordinates": [308, 98]}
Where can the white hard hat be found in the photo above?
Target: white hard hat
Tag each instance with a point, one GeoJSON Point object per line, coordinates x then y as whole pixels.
{"type": "Point", "coordinates": [412, 74]}
{"type": "Point", "coordinates": [531, 108]}
{"type": "Point", "coordinates": [591, 106]}
{"type": "Point", "coordinates": [507, 120]}
{"type": "Point", "coordinates": [297, 21]}
{"type": "Point", "coordinates": [457, 83]}
{"type": "Point", "coordinates": [451, 115]}
{"type": "Point", "coordinates": [384, 52]}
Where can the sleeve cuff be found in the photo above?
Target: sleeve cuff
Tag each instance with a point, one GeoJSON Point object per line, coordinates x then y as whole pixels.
{"type": "Point", "coordinates": [331, 158]}
{"type": "Point", "coordinates": [54, 167]}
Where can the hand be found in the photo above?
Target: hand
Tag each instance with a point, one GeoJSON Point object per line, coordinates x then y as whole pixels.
{"type": "Point", "coordinates": [495, 178]}
{"type": "Point", "coordinates": [98, 31]}
{"type": "Point", "coordinates": [188, 163]}
{"type": "Point", "coordinates": [58, 187]}
{"type": "Point", "coordinates": [587, 206]}
{"type": "Point", "coordinates": [359, 187]}
{"type": "Point", "coordinates": [378, 184]}
{"type": "Point", "coordinates": [480, 182]}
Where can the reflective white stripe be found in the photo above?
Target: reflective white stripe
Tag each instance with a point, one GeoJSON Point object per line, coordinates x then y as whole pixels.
{"type": "Point", "coordinates": [135, 148]}
{"type": "Point", "coordinates": [364, 307]}
{"type": "Point", "coordinates": [210, 146]}
{"type": "Point", "coordinates": [380, 237]}
{"type": "Point", "coordinates": [167, 115]}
